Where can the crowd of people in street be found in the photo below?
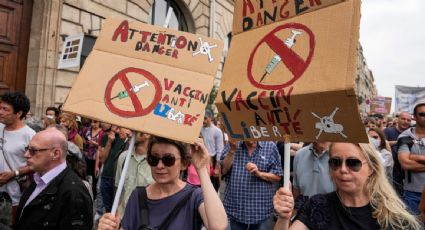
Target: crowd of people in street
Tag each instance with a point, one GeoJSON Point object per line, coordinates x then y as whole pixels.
{"type": "Point", "coordinates": [61, 171]}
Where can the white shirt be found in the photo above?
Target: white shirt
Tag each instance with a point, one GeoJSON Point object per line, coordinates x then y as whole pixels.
{"type": "Point", "coordinates": [43, 181]}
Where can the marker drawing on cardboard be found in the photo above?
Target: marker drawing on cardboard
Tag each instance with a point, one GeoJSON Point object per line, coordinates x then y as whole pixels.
{"type": "Point", "coordinates": [147, 78]}
{"type": "Point", "coordinates": [289, 42]}
{"type": "Point", "coordinates": [285, 65]}
{"type": "Point", "coordinates": [205, 49]}
{"type": "Point", "coordinates": [326, 124]}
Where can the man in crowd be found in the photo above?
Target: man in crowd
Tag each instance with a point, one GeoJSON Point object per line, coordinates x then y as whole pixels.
{"type": "Point", "coordinates": [15, 136]}
{"type": "Point", "coordinates": [114, 143]}
{"type": "Point", "coordinates": [57, 199]}
{"type": "Point", "coordinates": [311, 170]}
{"type": "Point", "coordinates": [392, 133]}
{"type": "Point", "coordinates": [411, 154]}
{"type": "Point", "coordinates": [250, 169]}
{"type": "Point", "coordinates": [138, 172]}
{"type": "Point", "coordinates": [213, 139]}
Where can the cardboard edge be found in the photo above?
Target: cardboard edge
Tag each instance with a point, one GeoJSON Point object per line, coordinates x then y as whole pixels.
{"type": "Point", "coordinates": [188, 141]}
{"type": "Point", "coordinates": [354, 38]}
{"type": "Point", "coordinates": [235, 26]}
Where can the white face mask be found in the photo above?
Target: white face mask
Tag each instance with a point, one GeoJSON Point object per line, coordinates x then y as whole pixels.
{"type": "Point", "coordinates": [50, 116]}
{"type": "Point", "coordinates": [376, 143]}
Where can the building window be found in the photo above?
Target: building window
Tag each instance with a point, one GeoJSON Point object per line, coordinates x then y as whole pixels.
{"type": "Point", "coordinates": [158, 14]}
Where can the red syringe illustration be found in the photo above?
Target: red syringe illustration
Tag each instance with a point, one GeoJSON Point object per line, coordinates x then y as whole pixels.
{"type": "Point", "coordinates": [289, 42]}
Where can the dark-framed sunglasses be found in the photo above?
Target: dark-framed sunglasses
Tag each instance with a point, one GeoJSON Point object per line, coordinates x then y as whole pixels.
{"type": "Point", "coordinates": [352, 163]}
{"type": "Point", "coordinates": [168, 160]}
{"type": "Point", "coordinates": [34, 151]}
{"type": "Point", "coordinates": [421, 114]}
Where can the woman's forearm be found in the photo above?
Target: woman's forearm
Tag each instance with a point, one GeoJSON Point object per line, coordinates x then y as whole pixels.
{"type": "Point", "coordinates": [214, 209]}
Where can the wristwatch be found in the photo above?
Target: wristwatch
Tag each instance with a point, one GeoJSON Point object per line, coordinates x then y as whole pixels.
{"type": "Point", "coordinates": [16, 173]}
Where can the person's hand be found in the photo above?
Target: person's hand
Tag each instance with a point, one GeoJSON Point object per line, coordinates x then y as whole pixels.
{"type": "Point", "coordinates": [283, 203]}
{"type": "Point", "coordinates": [217, 170]}
{"type": "Point", "coordinates": [111, 136]}
{"type": "Point", "coordinates": [5, 177]}
{"type": "Point", "coordinates": [199, 155]}
{"type": "Point", "coordinates": [252, 168]}
{"type": "Point", "coordinates": [108, 222]}
{"type": "Point", "coordinates": [96, 171]}
{"type": "Point", "coordinates": [232, 143]}
{"type": "Point", "coordinates": [92, 142]}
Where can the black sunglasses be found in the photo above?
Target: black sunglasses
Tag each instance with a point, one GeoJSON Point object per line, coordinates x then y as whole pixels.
{"type": "Point", "coordinates": [422, 114]}
{"type": "Point", "coordinates": [34, 151]}
{"type": "Point", "coordinates": [352, 163]}
{"type": "Point", "coordinates": [167, 160]}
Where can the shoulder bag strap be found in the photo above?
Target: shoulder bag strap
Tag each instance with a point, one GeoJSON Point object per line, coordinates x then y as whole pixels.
{"type": "Point", "coordinates": [143, 206]}
{"type": "Point", "coordinates": [176, 210]}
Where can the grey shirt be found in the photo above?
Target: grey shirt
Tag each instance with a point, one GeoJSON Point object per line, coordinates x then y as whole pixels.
{"type": "Point", "coordinates": [311, 172]}
{"type": "Point", "coordinates": [213, 139]}
{"type": "Point", "coordinates": [417, 178]}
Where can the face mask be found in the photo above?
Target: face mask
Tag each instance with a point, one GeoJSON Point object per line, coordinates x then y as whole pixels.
{"type": "Point", "coordinates": [50, 116]}
{"type": "Point", "coordinates": [376, 143]}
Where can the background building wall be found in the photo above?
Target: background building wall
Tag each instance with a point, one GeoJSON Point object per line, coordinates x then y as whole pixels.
{"type": "Point", "coordinates": [365, 83]}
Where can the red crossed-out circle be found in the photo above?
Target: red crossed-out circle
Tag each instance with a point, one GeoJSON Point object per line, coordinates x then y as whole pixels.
{"type": "Point", "coordinates": [138, 109]}
{"type": "Point", "coordinates": [292, 60]}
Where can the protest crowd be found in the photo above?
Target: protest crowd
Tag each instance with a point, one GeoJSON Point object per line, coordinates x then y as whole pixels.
{"type": "Point", "coordinates": [61, 171]}
{"type": "Point", "coordinates": [140, 144]}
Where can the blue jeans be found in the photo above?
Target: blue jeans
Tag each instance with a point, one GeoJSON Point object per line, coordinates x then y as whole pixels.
{"type": "Point", "coordinates": [263, 225]}
{"type": "Point", "coordinates": [99, 199]}
{"type": "Point", "coordinates": [107, 190]}
{"type": "Point", "coordinates": [411, 199]}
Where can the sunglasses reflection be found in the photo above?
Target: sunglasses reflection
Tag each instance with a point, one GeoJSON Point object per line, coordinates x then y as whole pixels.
{"type": "Point", "coordinates": [352, 163]}
{"type": "Point", "coordinates": [167, 160]}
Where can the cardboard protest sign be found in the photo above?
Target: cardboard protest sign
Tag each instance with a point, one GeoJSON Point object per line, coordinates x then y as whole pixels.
{"type": "Point", "coordinates": [296, 78]}
{"type": "Point", "coordinates": [251, 14]}
{"type": "Point", "coordinates": [147, 78]}
{"type": "Point", "coordinates": [381, 105]}
{"type": "Point", "coordinates": [406, 97]}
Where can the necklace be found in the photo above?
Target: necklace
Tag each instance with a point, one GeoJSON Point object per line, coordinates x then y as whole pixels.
{"type": "Point", "coordinates": [346, 209]}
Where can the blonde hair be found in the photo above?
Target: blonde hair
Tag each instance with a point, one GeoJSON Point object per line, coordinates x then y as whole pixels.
{"type": "Point", "coordinates": [389, 210]}
{"type": "Point", "coordinates": [71, 119]}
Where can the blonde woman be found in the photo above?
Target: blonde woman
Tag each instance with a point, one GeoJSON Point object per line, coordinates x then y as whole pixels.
{"type": "Point", "coordinates": [363, 199]}
{"type": "Point", "coordinates": [70, 122]}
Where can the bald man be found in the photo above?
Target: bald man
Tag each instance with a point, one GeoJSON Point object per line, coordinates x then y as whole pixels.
{"type": "Point", "coordinates": [57, 199]}
{"type": "Point", "coordinates": [392, 133]}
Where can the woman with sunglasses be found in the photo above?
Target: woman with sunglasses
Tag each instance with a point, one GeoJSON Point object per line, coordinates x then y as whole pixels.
{"type": "Point", "coordinates": [167, 159]}
{"type": "Point", "coordinates": [364, 199]}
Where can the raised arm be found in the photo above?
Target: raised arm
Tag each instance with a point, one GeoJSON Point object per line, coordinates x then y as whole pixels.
{"type": "Point", "coordinates": [212, 209]}
{"type": "Point", "coordinates": [228, 158]}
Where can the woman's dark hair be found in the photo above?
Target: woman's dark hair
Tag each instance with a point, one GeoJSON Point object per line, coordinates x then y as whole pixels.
{"type": "Point", "coordinates": [183, 148]}
{"type": "Point", "coordinates": [381, 136]}
{"type": "Point", "coordinates": [18, 101]}
{"type": "Point", "coordinates": [369, 120]}
{"type": "Point", "coordinates": [54, 109]}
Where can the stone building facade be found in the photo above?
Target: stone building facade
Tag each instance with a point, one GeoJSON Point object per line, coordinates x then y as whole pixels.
{"type": "Point", "coordinates": [365, 83]}
{"type": "Point", "coordinates": [53, 20]}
